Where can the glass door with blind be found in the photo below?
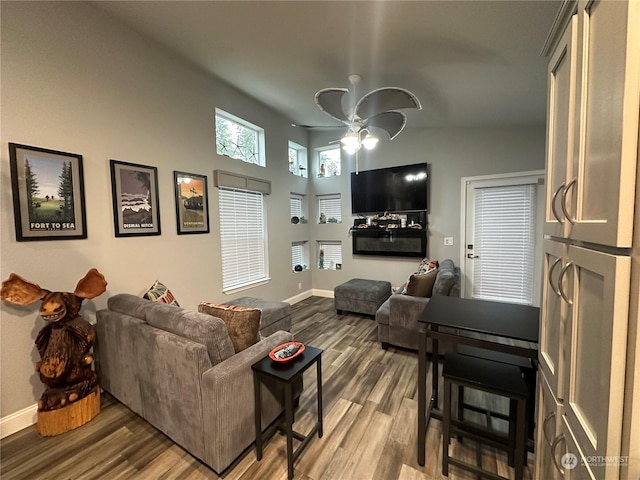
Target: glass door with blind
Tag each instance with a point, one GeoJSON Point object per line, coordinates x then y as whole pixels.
{"type": "Point", "coordinates": [503, 238]}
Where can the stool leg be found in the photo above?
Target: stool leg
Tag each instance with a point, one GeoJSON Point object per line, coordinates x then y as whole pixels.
{"type": "Point", "coordinates": [513, 412]}
{"type": "Point", "coordinates": [521, 437]}
{"type": "Point", "coordinates": [460, 416]}
{"type": "Point", "coordinates": [446, 427]}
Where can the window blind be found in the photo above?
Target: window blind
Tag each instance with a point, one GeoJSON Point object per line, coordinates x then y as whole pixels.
{"type": "Point", "coordinates": [331, 206]}
{"type": "Point", "coordinates": [332, 254]}
{"type": "Point", "coordinates": [297, 254]}
{"type": "Point", "coordinates": [295, 203]}
{"type": "Point", "coordinates": [504, 268]}
{"type": "Point", "coordinates": [242, 238]}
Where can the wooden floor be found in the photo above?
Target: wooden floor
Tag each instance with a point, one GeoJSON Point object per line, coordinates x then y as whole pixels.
{"type": "Point", "coordinates": [370, 406]}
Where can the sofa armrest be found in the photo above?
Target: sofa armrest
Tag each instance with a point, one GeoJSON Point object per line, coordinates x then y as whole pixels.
{"type": "Point", "coordinates": [228, 387]}
{"type": "Point", "coordinates": [404, 310]}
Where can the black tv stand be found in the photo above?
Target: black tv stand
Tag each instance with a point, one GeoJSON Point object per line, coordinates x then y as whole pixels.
{"type": "Point", "coordinates": [391, 242]}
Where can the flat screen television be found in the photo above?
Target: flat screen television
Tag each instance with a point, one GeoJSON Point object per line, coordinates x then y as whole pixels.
{"type": "Point", "coordinates": [393, 189]}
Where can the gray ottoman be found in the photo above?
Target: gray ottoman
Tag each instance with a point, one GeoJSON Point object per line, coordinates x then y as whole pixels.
{"type": "Point", "coordinates": [275, 315]}
{"type": "Point", "coordinates": [361, 296]}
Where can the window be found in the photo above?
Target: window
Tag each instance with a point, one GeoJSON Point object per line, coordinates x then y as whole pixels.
{"type": "Point", "coordinates": [295, 202]}
{"type": "Point", "coordinates": [329, 255]}
{"type": "Point", "coordinates": [331, 207]}
{"type": "Point", "coordinates": [329, 162]}
{"type": "Point", "coordinates": [298, 159]}
{"type": "Point", "coordinates": [237, 138]}
{"type": "Point", "coordinates": [299, 255]}
{"type": "Point", "coordinates": [297, 206]}
{"type": "Point", "coordinates": [504, 223]}
{"type": "Point", "coordinates": [242, 238]}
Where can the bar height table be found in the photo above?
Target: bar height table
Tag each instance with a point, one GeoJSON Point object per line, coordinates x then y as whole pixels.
{"type": "Point", "coordinates": [498, 320]}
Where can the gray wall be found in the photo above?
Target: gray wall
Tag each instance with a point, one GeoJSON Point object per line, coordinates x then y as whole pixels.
{"type": "Point", "coordinates": [451, 154]}
{"type": "Point", "coordinates": [77, 81]}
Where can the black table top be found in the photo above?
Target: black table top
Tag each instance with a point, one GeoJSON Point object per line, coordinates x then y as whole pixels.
{"type": "Point", "coordinates": [286, 371]}
{"type": "Point", "coordinates": [518, 322]}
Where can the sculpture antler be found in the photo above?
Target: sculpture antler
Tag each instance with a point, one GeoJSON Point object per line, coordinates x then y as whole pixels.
{"type": "Point", "coordinates": [19, 291]}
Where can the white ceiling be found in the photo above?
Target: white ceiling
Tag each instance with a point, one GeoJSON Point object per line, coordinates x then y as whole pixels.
{"type": "Point", "coordinates": [471, 63]}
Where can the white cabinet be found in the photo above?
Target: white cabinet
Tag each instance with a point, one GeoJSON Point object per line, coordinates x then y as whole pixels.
{"type": "Point", "coordinates": [548, 422]}
{"type": "Point", "coordinates": [596, 357]}
{"type": "Point", "coordinates": [594, 97]}
{"type": "Point", "coordinates": [562, 80]}
{"type": "Point", "coordinates": [590, 320]}
{"type": "Point", "coordinates": [553, 315]}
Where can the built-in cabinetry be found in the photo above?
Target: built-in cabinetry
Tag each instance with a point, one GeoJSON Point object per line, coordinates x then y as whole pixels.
{"type": "Point", "coordinates": [589, 316]}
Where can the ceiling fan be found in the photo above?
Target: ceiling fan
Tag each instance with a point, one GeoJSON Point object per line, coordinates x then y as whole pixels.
{"type": "Point", "coordinates": [377, 109]}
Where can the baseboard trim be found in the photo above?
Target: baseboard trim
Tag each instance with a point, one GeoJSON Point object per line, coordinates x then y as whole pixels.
{"type": "Point", "coordinates": [322, 293]}
{"type": "Point", "coordinates": [18, 420]}
{"type": "Point", "coordinates": [298, 298]}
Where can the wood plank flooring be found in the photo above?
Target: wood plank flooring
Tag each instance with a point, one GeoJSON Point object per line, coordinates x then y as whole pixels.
{"type": "Point", "coordinates": [370, 407]}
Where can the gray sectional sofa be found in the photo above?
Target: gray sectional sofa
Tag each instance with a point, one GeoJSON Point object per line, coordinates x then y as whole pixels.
{"type": "Point", "coordinates": [178, 370]}
{"type": "Point", "coordinates": [398, 317]}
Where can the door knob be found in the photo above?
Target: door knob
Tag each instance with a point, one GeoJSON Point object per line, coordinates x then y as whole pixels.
{"type": "Point", "coordinates": [471, 255]}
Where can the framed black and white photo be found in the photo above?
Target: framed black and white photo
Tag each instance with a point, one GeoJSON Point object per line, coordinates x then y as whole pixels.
{"type": "Point", "coordinates": [48, 194]}
{"type": "Point", "coordinates": [136, 207]}
{"type": "Point", "coordinates": [192, 203]}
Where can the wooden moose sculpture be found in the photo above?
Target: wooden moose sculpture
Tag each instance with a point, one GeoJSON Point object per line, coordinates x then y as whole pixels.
{"type": "Point", "coordinates": [71, 397]}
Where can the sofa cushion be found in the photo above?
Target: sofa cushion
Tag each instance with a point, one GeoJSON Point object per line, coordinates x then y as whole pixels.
{"type": "Point", "coordinates": [204, 329]}
{"type": "Point", "coordinates": [160, 293]}
{"type": "Point", "coordinates": [421, 284]}
{"type": "Point", "coordinates": [243, 324]}
{"type": "Point", "coordinates": [129, 304]}
{"type": "Point", "coordinates": [446, 279]}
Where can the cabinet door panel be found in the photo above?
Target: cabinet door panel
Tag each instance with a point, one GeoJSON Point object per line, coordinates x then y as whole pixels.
{"type": "Point", "coordinates": [570, 458]}
{"type": "Point", "coordinates": [547, 429]}
{"type": "Point", "coordinates": [597, 329]}
{"type": "Point", "coordinates": [604, 160]}
{"type": "Point", "coordinates": [561, 78]}
{"type": "Point", "coordinates": [553, 316]}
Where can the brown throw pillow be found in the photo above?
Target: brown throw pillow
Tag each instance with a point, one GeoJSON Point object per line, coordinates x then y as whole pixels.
{"type": "Point", "coordinates": [421, 284]}
{"type": "Point", "coordinates": [243, 324]}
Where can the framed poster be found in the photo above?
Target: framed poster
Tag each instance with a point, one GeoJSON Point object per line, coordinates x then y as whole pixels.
{"type": "Point", "coordinates": [136, 207]}
{"type": "Point", "coordinates": [48, 194]}
{"type": "Point", "coordinates": [192, 203]}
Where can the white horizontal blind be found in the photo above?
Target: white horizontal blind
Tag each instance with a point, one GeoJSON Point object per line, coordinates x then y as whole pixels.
{"type": "Point", "coordinates": [242, 238]}
{"type": "Point", "coordinates": [332, 254]}
{"type": "Point", "coordinates": [297, 254]}
{"type": "Point", "coordinates": [504, 245]}
{"type": "Point", "coordinates": [295, 202]}
{"type": "Point", "coordinates": [331, 206]}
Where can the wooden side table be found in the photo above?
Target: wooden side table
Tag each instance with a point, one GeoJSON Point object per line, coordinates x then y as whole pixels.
{"type": "Point", "coordinates": [287, 373]}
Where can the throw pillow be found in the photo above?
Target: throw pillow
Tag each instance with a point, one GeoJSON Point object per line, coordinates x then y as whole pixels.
{"type": "Point", "coordinates": [425, 266]}
{"type": "Point", "coordinates": [243, 323]}
{"type": "Point", "coordinates": [421, 284]}
{"type": "Point", "coordinates": [160, 293]}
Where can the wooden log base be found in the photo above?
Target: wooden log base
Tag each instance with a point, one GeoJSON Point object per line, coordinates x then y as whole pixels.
{"type": "Point", "coordinates": [74, 415]}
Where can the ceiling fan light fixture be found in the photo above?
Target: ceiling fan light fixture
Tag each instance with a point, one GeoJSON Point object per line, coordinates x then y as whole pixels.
{"type": "Point", "coordinates": [351, 149]}
{"type": "Point", "coordinates": [370, 141]}
{"type": "Point", "coordinates": [350, 140]}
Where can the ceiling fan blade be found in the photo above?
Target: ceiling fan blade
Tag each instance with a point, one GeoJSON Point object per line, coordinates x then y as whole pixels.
{"type": "Point", "coordinates": [391, 122]}
{"type": "Point", "coordinates": [325, 127]}
{"type": "Point", "coordinates": [329, 100]}
{"type": "Point", "coordinates": [385, 99]}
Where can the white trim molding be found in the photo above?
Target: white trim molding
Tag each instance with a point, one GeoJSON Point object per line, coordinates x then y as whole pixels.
{"type": "Point", "coordinates": [18, 420]}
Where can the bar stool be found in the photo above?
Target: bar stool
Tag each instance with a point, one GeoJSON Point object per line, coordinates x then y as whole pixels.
{"type": "Point", "coordinates": [492, 377]}
{"type": "Point", "coordinates": [528, 371]}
